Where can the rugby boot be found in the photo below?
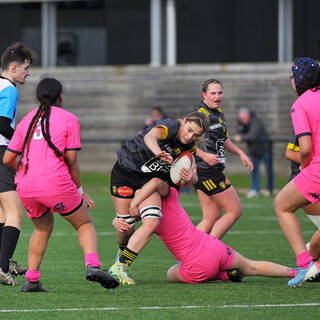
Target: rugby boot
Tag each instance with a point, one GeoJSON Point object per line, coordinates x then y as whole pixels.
{"type": "Point", "coordinates": [120, 271]}
{"type": "Point", "coordinates": [97, 275]}
{"type": "Point", "coordinates": [15, 269]}
{"type": "Point", "coordinates": [303, 275]}
{"type": "Point", "coordinates": [7, 278]}
{"type": "Point", "coordinates": [29, 286]}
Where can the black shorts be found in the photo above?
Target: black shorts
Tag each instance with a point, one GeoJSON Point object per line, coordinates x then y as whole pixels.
{"type": "Point", "coordinates": [211, 180]}
{"type": "Point", "coordinates": [124, 182]}
{"type": "Point", "coordinates": [6, 174]}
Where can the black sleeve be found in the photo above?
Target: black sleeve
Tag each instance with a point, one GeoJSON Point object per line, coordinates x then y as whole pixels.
{"type": "Point", "coordinates": [5, 129]}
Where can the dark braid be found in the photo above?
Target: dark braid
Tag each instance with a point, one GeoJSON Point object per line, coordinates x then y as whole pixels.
{"type": "Point", "coordinates": [48, 92]}
{"type": "Point", "coordinates": [46, 133]}
{"type": "Point", "coordinates": [28, 136]}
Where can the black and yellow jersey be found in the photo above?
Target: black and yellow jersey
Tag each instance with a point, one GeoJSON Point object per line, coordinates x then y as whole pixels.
{"type": "Point", "coordinates": [135, 155]}
{"type": "Point", "coordinates": [216, 135]}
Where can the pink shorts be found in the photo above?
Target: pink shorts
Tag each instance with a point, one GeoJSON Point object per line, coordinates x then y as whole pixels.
{"type": "Point", "coordinates": [308, 183]}
{"type": "Point", "coordinates": [65, 204]}
{"type": "Point", "coordinates": [214, 258]}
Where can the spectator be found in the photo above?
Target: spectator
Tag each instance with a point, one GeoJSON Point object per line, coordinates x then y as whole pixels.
{"type": "Point", "coordinates": [251, 130]}
{"type": "Point", "coordinates": [157, 114]}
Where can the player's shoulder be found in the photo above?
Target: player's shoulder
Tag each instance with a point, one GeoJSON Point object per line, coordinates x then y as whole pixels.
{"type": "Point", "coordinates": [167, 122]}
{"type": "Point", "coordinates": [8, 88]}
{"type": "Point", "coordinates": [64, 113]}
{"type": "Point", "coordinates": [6, 83]}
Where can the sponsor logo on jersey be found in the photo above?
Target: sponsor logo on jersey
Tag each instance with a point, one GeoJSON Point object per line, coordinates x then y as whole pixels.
{"type": "Point", "coordinates": [215, 126]}
{"type": "Point", "coordinates": [125, 191]}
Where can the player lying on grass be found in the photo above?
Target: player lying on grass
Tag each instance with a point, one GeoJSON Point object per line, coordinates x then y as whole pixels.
{"type": "Point", "coordinates": [202, 257]}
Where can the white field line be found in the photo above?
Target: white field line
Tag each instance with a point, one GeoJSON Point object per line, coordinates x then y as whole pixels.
{"type": "Point", "coordinates": [236, 306]}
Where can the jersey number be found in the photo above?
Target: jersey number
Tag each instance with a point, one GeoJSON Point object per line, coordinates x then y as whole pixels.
{"type": "Point", "coordinates": [37, 135]}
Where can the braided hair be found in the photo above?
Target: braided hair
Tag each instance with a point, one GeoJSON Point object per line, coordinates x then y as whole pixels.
{"type": "Point", "coordinates": [48, 92]}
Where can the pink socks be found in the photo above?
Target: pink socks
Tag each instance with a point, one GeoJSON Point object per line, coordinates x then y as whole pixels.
{"type": "Point", "coordinates": [33, 275]}
{"type": "Point", "coordinates": [92, 259]}
{"type": "Point", "coordinates": [303, 259]}
{"type": "Point", "coordinates": [293, 273]}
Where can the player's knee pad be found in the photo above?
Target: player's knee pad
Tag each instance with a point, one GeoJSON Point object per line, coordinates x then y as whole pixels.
{"type": "Point", "coordinates": [150, 212]}
{"type": "Point", "coordinates": [127, 218]}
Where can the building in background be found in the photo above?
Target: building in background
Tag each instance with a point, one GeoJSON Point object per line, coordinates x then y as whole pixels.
{"type": "Point", "coordinates": [117, 32]}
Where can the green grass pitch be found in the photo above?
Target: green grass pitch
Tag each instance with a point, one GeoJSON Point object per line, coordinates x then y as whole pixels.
{"type": "Point", "coordinates": [256, 235]}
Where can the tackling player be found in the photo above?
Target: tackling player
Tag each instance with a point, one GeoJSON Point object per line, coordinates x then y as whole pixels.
{"type": "Point", "coordinates": [202, 257]}
{"type": "Point", "coordinates": [145, 156]}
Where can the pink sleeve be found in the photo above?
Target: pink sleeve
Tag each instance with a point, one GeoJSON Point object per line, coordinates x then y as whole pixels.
{"type": "Point", "coordinates": [17, 139]}
{"type": "Point", "coordinates": [73, 142]}
{"type": "Point", "coordinates": [300, 120]}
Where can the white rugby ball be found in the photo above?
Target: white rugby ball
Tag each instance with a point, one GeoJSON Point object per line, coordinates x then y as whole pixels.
{"type": "Point", "coordinates": [185, 160]}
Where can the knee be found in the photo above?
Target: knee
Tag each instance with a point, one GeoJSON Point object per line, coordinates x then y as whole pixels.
{"type": "Point", "coordinates": [150, 224]}
{"type": "Point", "coordinates": [235, 212]}
{"type": "Point", "coordinates": [14, 219]}
{"type": "Point", "coordinates": [172, 273]}
{"type": "Point", "coordinates": [276, 204]}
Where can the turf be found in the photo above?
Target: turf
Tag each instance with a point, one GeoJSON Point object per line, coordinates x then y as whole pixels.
{"type": "Point", "coordinates": [256, 235]}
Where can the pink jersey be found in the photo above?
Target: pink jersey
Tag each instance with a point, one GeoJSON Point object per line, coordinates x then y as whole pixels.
{"type": "Point", "coordinates": [305, 114]}
{"type": "Point", "coordinates": [47, 175]}
{"type": "Point", "coordinates": [177, 232]}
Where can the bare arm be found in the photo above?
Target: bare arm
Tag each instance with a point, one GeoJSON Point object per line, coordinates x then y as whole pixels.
{"type": "Point", "coordinates": [155, 184]}
{"type": "Point", "coordinates": [151, 141]}
{"type": "Point", "coordinates": [73, 166]}
{"type": "Point", "coordinates": [210, 158]}
{"type": "Point", "coordinates": [293, 155]}
{"type": "Point", "coordinates": [10, 160]}
{"type": "Point", "coordinates": [305, 145]}
{"type": "Point", "coordinates": [231, 147]}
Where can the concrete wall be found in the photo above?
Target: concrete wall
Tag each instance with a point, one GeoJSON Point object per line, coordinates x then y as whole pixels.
{"type": "Point", "coordinates": [112, 102]}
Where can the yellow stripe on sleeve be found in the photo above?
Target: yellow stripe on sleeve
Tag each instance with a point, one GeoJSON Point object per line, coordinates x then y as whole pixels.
{"type": "Point", "coordinates": [165, 132]}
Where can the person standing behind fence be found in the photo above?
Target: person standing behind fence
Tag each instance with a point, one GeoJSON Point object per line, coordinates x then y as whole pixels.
{"type": "Point", "coordinates": [214, 190]}
{"type": "Point", "coordinates": [48, 180]}
{"type": "Point", "coordinates": [305, 187]}
{"type": "Point", "coordinates": [15, 64]}
{"type": "Point", "coordinates": [251, 130]}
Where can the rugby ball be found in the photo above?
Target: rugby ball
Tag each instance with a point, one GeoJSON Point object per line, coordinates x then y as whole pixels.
{"type": "Point", "coordinates": [185, 160]}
